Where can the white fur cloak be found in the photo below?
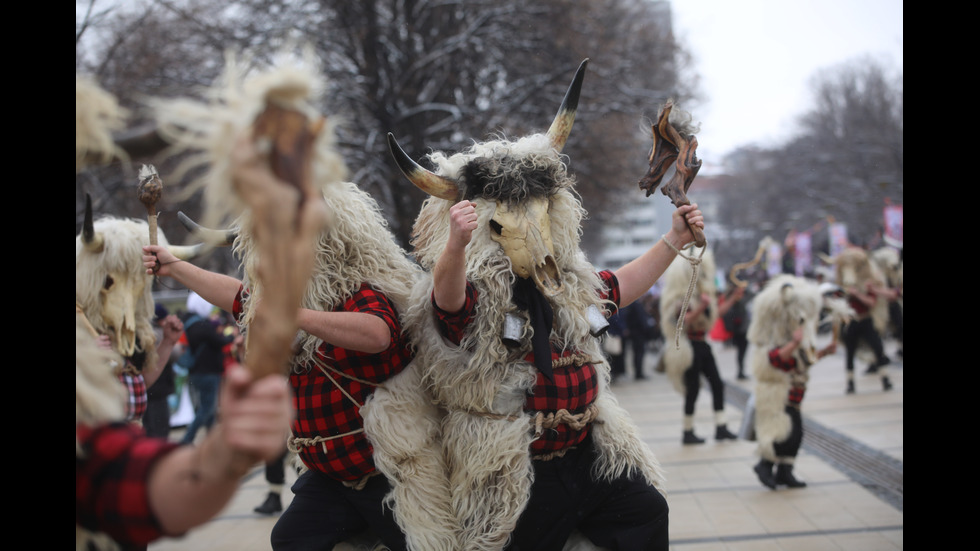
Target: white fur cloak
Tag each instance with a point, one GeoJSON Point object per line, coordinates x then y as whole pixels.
{"type": "Point", "coordinates": [678, 353]}
{"type": "Point", "coordinates": [473, 395]}
{"type": "Point", "coordinates": [786, 302]}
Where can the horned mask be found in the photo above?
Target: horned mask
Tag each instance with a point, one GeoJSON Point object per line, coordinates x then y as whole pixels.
{"type": "Point", "coordinates": [520, 224]}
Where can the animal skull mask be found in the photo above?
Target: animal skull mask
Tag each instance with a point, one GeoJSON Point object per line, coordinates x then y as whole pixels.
{"type": "Point", "coordinates": [520, 223]}
{"type": "Point", "coordinates": [524, 232]}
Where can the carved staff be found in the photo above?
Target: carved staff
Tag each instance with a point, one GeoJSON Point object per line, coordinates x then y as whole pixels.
{"type": "Point", "coordinates": [150, 191]}
{"type": "Point", "coordinates": [739, 266]}
{"type": "Point", "coordinates": [670, 146]}
{"type": "Point", "coordinates": [287, 137]}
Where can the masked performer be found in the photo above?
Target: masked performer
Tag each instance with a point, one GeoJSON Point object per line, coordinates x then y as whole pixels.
{"type": "Point", "coordinates": [508, 316]}
{"type": "Point", "coordinates": [783, 333]}
{"type": "Point", "coordinates": [351, 339]}
{"type": "Point", "coordinates": [130, 488]}
{"type": "Point", "coordinates": [687, 355]}
{"type": "Point", "coordinates": [866, 293]}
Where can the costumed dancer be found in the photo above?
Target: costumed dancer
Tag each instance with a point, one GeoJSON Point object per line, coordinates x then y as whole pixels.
{"type": "Point", "coordinates": [864, 287]}
{"type": "Point", "coordinates": [687, 355]}
{"type": "Point", "coordinates": [130, 488]}
{"type": "Point", "coordinates": [351, 340]}
{"type": "Point", "coordinates": [783, 333]}
{"type": "Point", "coordinates": [508, 317]}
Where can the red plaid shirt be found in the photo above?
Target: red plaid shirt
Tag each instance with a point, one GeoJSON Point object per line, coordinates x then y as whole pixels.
{"type": "Point", "coordinates": [574, 387]}
{"type": "Point", "coordinates": [111, 481]}
{"type": "Point", "coordinates": [324, 411]}
{"type": "Point", "coordinates": [136, 402]}
{"type": "Point", "coordinates": [796, 391]}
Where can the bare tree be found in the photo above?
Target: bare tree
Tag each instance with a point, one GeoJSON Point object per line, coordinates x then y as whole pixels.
{"type": "Point", "coordinates": [435, 74]}
{"type": "Point", "coordinates": [846, 161]}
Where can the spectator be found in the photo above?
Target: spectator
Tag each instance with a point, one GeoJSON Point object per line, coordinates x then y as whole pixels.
{"type": "Point", "coordinates": [207, 344]}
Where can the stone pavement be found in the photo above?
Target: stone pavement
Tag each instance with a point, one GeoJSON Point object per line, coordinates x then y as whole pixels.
{"type": "Point", "coordinates": [852, 461]}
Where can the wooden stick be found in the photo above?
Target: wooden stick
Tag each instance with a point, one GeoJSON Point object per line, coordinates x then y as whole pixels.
{"type": "Point", "coordinates": [150, 191]}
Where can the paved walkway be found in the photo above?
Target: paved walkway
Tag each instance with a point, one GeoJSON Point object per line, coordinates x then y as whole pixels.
{"type": "Point", "coordinates": [851, 460]}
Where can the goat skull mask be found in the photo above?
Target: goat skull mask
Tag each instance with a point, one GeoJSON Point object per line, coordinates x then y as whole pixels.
{"type": "Point", "coordinates": [523, 231]}
{"type": "Point", "coordinates": [520, 224]}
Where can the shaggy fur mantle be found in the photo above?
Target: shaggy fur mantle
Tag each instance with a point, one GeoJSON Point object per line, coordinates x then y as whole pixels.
{"type": "Point", "coordinates": [678, 353]}
{"type": "Point", "coordinates": [467, 440]}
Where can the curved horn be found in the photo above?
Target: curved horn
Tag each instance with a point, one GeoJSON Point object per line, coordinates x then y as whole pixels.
{"type": "Point", "coordinates": [218, 238]}
{"type": "Point", "coordinates": [93, 242]}
{"type": "Point", "coordinates": [211, 238]}
{"type": "Point", "coordinates": [427, 181]}
{"type": "Point", "coordinates": [562, 125]}
{"type": "Point", "coordinates": [739, 266]}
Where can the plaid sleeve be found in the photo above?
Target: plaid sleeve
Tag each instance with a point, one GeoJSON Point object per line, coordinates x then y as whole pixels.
{"type": "Point", "coordinates": [453, 325]}
{"type": "Point", "coordinates": [612, 287]}
{"type": "Point", "coordinates": [111, 493]}
{"type": "Point", "coordinates": [370, 301]}
{"type": "Point", "coordinates": [239, 305]}
{"type": "Point", "coordinates": [778, 362]}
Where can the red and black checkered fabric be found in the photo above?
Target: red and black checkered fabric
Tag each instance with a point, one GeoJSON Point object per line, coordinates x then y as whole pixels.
{"type": "Point", "coordinates": [573, 388]}
{"type": "Point", "coordinates": [796, 391]}
{"type": "Point", "coordinates": [111, 481]}
{"type": "Point", "coordinates": [324, 411]}
{"type": "Point", "coordinates": [136, 401]}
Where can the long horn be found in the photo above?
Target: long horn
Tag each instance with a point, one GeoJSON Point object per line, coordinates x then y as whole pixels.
{"type": "Point", "coordinates": [562, 125]}
{"type": "Point", "coordinates": [93, 242]}
{"type": "Point", "coordinates": [217, 238]}
{"type": "Point", "coordinates": [426, 180]}
{"type": "Point", "coordinates": [211, 238]}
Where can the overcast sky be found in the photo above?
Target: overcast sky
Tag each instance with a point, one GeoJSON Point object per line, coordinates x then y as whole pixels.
{"type": "Point", "coordinates": [756, 58]}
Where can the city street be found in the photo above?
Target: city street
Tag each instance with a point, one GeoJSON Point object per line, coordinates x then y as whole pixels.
{"type": "Point", "coordinates": [852, 461]}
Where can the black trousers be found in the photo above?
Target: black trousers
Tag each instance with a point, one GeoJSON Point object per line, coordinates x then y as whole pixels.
{"type": "Point", "coordinates": [703, 364]}
{"type": "Point", "coordinates": [790, 447]}
{"type": "Point", "coordinates": [854, 333]}
{"type": "Point", "coordinates": [324, 512]}
{"type": "Point", "coordinates": [624, 514]}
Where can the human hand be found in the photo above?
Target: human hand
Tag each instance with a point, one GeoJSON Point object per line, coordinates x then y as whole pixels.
{"type": "Point", "coordinates": [255, 413]}
{"type": "Point", "coordinates": [172, 328]}
{"type": "Point", "coordinates": [683, 219]}
{"type": "Point", "coordinates": [462, 222]}
{"type": "Point", "coordinates": [104, 342]}
{"type": "Point", "coordinates": [829, 349]}
{"type": "Point", "coordinates": [157, 260]}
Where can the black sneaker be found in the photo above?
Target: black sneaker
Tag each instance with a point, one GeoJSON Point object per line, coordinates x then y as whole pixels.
{"type": "Point", "coordinates": [271, 505]}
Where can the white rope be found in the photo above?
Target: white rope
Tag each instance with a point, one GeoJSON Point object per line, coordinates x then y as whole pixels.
{"type": "Point", "coordinates": [695, 267]}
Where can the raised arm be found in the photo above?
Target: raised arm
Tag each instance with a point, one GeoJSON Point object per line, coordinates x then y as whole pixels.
{"type": "Point", "coordinates": [636, 277]}
{"type": "Point", "coordinates": [218, 289]}
{"type": "Point", "coordinates": [449, 274]}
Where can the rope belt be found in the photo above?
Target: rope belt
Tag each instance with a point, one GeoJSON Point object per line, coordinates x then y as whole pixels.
{"type": "Point", "coordinates": [296, 444]}
{"type": "Point", "coordinates": [542, 420]}
{"type": "Point", "coordinates": [129, 369]}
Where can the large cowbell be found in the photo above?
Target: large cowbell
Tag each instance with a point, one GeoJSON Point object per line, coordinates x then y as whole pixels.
{"type": "Point", "coordinates": [522, 228]}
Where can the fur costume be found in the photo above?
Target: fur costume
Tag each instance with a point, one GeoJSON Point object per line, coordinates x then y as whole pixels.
{"type": "Point", "coordinates": [784, 303]}
{"type": "Point", "coordinates": [112, 288]}
{"type": "Point", "coordinates": [99, 397]}
{"type": "Point", "coordinates": [678, 354]}
{"type": "Point", "coordinates": [356, 247]}
{"type": "Point", "coordinates": [481, 385]}
{"type": "Point", "coordinates": [853, 268]}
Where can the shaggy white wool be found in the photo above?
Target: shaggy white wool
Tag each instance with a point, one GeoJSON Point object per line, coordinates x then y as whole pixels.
{"type": "Point", "coordinates": [678, 354]}
{"type": "Point", "coordinates": [97, 115]}
{"type": "Point", "coordinates": [482, 384]}
{"type": "Point", "coordinates": [121, 259]}
{"type": "Point", "coordinates": [786, 303]}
